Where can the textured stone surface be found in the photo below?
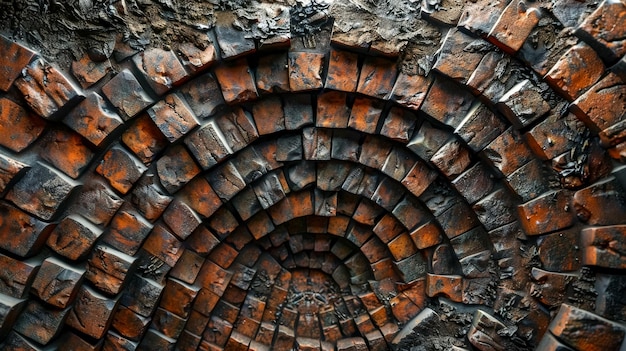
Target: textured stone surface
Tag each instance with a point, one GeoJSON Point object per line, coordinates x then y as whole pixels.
{"type": "Point", "coordinates": [318, 176]}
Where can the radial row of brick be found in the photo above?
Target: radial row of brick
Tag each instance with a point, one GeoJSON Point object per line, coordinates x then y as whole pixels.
{"type": "Point", "coordinates": [303, 79]}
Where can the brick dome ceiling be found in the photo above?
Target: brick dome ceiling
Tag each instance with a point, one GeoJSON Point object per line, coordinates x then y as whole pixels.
{"type": "Point", "coordinates": [350, 176]}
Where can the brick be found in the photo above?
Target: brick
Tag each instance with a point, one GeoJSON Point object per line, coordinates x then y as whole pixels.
{"type": "Point", "coordinates": [16, 277]}
{"type": "Point", "coordinates": [497, 209]}
{"type": "Point", "coordinates": [232, 41]}
{"type": "Point", "coordinates": [555, 135]}
{"type": "Point", "coordinates": [127, 232]}
{"type": "Point", "coordinates": [176, 168]}
{"type": "Point", "coordinates": [56, 283]}
{"type": "Point", "coordinates": [10, 169]}
{"type": "Point", "coordinates": [203, 96]}
{"type": "Point", "coordinates": [447, 103]}
{"type": "Point", "coordinates": [298, 111]}
{"type": "Point", "coordinates": [452, 159]}
{"type": "Point", "coordinates": [40, 323]}
{"type": "Point", "coordinates": [484, 331]}
{"type": "Point", "coordinates": [226, 181]}
{"type": "Point", "coordinates": [457, 219]}
{"type": "Point", "coordinates": [495, 75]}
{"type": "Point", "coordinates": [419, 177]}
{"type": "Point", "coordinates": [398, 164]}
{"type": "Point", "coordinates": [530, 180]}
{"type": "Point", "coordinates": [214, 278]}
{"type": "Point", "coordinates": [42, 191]}
{"type": "Point", "coordinates": [345, 147]}
{"type": "Point", "coordinates": [18, 127]}
{"type": "Point", "coordinates": [507, 152]}
{"type": "Point", "coordinates": [46, 90]}
{"type": "Point", "coordinates": [236, 82]}
{"type": "Point", "coordinates": [403, 308]}
{"type": "Point", "coordinates": [600, 204]}
{"type": "Point", "coordinates": [377, 77]}
{"type": "Point", "coordinates": [426, 235]}
{"type": "Point", "coordinates": [88, 72]}
{"type": "Point", "coordinates": [172, 116]}
{"type": "Point", "coordinates": [604, 30]}
{"type": "Point", "coordinates": [565, 76]}
{"type": "Point", "coordinates": [552, 289]}
{"type": "Point", "coordinates": [89, 303]}
{"type": "Point", "coordinates": [268, 115]}
{"type": "Point", "coordinates": [560, 251]}
{"type": "Point", "coordinates": [443, 260]}
{"type": "Point", "coordinates": [164, 245]}
{"type": "Point", "coordinates": [399, 125]}
{"type": "Point", "coordinates": [584, 330]}
{"type": "Point", "coordinates": [439, 197]}
{"type": "Point", "coordinates": [449, 286]}
{"type": "Point", "coordinates": [129, 324]}
{"type": "Point", "coordinates": [479, 17]}
{"type": "Point", "coordinates": [198, 58]}
{"type": "Point", "coordinates": [66, 151]}
{"type": "Point", "coordinates": [93, 120]}
{"type": "Point", "coordinates": [272, 74]}
{"type": "Point", "coordinates": [332, 110]}
{"type": "Point", "coordinates": [120, 168]}
{"type": "Point", "coordinates": [305, 70]}
{"type": "Point", "coordinates": [410, 90]}
{"type": "Point", "coordinates": [601, 246]}
{"type": "Point", "coordinates": [207, 147]}
{"type": "Point", "coordinates": [16, 58]}
{"type": "Point", "coordinates": [199, 195]}
{"type": "Point", "coordinates": [160, 68]}
{"type": "Point", "coordinates": [177, 297]}
{"type": "Point", "coordinates": [144, 139]}
{"type": "Point", "coordinates": [343, 71]}
{"type": "Point", "coordinates": [460, 55]}
{"type": "Point", "coordinates": [141, 295]}
{"type": "Point", "coordinates": [514, 104]}
{"type": "Point", "coordinates": [238, 129]}
{"type": "Point", "coordinates": [108, 269]}
{"type": "Point", "coordinates": [126, 94]}
{"type": "Point", "coordinates": [223, 222]}
{"type": "Point", "coordinates": [167, 323]}
{"type": "Point", "coordinates": [547, 213]}
{"type": "Point", "coordinates": [316, 144]}
{"type": "Point", "coordinates": [475, 183]}
{"type": "Point", "coordinates": [603, 104]}
{"type": "Point", "coordinates": [548, 41]}
{"type": "Point", "coordinates": [97, 202]}
{"type": "Point", "coordinates": [365, 114]}
{"type": "Point", "coordinates": [149, 198]}
{"type": "Point", "coordinates": [410, 212]}
{"type": "Point", "coordinates": [514, 26]}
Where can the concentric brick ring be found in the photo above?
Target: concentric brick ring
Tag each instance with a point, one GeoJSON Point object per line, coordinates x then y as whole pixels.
{"type": "Point", "coordinates": [321, 198]}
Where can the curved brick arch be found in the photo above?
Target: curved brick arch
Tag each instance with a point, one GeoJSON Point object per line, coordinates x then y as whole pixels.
{"type": "Point", "coordinates": [572, 132]}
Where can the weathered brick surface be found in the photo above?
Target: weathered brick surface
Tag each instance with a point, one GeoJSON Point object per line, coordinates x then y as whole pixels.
{"type": "Point", "coordinates": [66, 151]}
{"type": "Point", "coordinates": [305, 70]}
{"type": "Point", "coordinates": [126, 94]}
{"type": "Point", "coordinates": [41, 192]}
{"type": "Point", "coordinates": [514, 25]}
{"type": "Point", "coordinates": [57, 283]}
{"type": "Point", "coordinates": [92, 119]}
{"type": "Point", "coordinates": [604, 30]}
{"type": "Point", "coordinates": [16, 58]}
{"type": "Point", "coordinates": [160, 68]}
{"type": "Point", "coordinates": [172, 116]}
{"type": "Point", "coordinates": [120, 168]}
{"type": "Point", "coordinates": [46, 90]}
{"type": "Point", "coordinates": [250, 226]}
{"type": "Point", "coordinates": [18, 127]}
{"type": "Point", "coordinates": [89, 72]}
